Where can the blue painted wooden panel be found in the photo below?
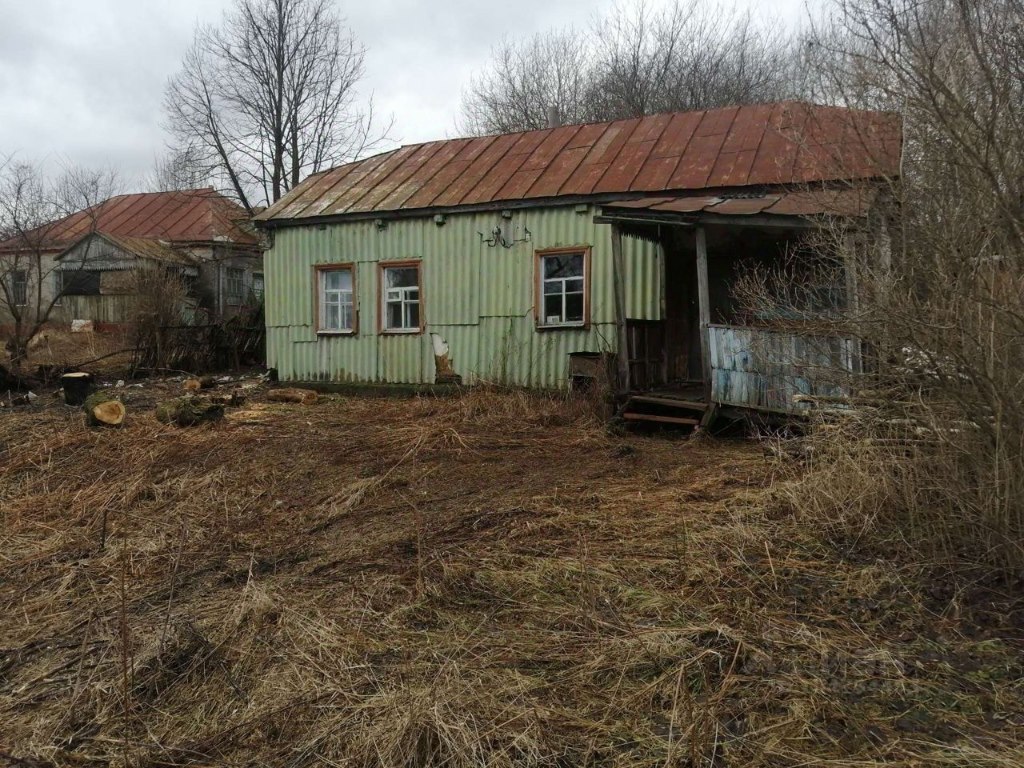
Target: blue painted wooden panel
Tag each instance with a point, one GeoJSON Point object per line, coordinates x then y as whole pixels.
{"type": "Point", "coordinates": [764, 369]}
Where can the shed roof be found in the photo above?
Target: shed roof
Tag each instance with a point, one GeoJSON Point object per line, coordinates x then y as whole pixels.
{"type": "Point", "coordinates": [185, 216]}
{"type": "Point", "coordinates": [140, 247]}
{"type": "Point", "coordinates": [848, 202]}
{"type": "Point", "coordinates": [758, 145]}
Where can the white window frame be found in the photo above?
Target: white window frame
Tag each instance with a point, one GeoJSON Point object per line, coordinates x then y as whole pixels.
{"type": "Point", "coordinates": [541, 312]}
{"type": "Point", "coordinates": [341, 297]}
{"type": "Point", "coordinates": [401, 296]}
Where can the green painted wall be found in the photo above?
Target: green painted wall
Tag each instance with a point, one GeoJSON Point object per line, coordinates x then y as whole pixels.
{"type": "Point", "coordinates": [477, 297]}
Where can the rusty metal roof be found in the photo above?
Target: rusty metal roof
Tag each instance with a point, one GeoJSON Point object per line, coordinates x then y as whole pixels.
{"type": "Point", "coordinates": [186, 216]}
{"type": "Point", "coordinates": [850, 201]}
{"type": "Point", "coordinates": [761, 145]}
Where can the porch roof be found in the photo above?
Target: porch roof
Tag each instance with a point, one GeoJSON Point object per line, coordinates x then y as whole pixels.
{"type": "Point", "coordinates": [852, 202]}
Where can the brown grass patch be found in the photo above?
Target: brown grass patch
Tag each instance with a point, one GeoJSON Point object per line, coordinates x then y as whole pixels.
{"type": "Point", "coordinates": [485, 580]}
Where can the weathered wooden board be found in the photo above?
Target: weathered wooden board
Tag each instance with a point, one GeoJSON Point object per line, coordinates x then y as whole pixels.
{"type": "Point", "coordinates": [763, 369]}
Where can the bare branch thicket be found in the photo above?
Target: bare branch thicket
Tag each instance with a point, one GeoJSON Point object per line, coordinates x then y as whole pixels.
{"type": "Point", "coordinates": [179, 169]}
{"type": "Point", "coordinates": [33, 209]}
{"type": "Point", "coordinates": [269, 97]}
{"type": "Point", "coordinates": [933, 450]}
{"type": "Point", "coordinates": [527, 78]}
{"type": "Point", "coordinates": [635, 61]}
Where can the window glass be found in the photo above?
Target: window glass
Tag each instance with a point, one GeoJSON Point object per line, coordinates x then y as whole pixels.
{"type": "Point", "coordinates": [401, 297]}
{"type": "Point", "coordinates": [234, 285]}
{"type": "Point", "coordinates": [19, 287]}
{"type": "Point", "coordinates": [337, 300]}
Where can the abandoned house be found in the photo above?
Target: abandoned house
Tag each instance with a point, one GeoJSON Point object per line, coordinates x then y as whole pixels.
{"type": "Point", "coordinates": [86, 263]}
{"type": "Point", "coordinates": [537, 258]}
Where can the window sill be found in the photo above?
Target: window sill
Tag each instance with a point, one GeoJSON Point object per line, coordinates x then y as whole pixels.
{"type": "Point", "coordinates": [401, 331]}
{"type": "Point", "coordinates": [336, 333]}
{"type": "Point", "coordinates": [564, 327]}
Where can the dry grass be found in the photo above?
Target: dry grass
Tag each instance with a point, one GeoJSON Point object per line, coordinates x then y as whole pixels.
{"type": "Point", "coordinates": [489, 580]}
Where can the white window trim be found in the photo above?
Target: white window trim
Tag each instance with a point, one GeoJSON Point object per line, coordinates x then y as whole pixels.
{"type": "Point", "coordinates": [321, 294]}
{"type": "Point", "coordinates": [542, 320]}
{"type": "Point", "coordinates": [402, 296]}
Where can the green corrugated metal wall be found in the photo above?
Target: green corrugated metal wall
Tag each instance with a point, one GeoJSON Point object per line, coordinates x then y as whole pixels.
{"type": "Point", "coordinates": [479, 298]}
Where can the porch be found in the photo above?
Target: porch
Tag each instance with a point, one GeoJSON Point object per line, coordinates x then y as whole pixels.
{"type": "Point", "coordinates": [708, 353]}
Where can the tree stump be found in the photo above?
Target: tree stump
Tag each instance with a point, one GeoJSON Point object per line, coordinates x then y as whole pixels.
{"type": "Point", "coordinates": [188, 411]}
{"type": "Point", "coordinates": [102, 410]}
{"type": "Point", "coordinates": [198, 383]}
{"type": "Point", "coordinates": [77, 387]}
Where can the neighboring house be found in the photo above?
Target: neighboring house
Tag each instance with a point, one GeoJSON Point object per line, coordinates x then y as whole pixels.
{"type": "Point", "coordinates": [526, 258]}
{"type": "Point", "coordinates": [85, 262]}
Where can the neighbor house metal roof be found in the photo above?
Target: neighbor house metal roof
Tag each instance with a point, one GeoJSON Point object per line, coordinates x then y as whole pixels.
{"type": "Point", "coordinates": [771, 144]}
{"type": "Point", "coordinates": [186, 216]}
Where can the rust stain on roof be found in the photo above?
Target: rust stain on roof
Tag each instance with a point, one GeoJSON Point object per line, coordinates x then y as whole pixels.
{"type": "Point", "coordinates": [751, 146]}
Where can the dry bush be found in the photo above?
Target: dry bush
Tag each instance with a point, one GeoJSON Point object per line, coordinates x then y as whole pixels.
{"type": "Point", "coordinates": [933, 456]}
{"type": "Point", "coordinates": [161, 298]}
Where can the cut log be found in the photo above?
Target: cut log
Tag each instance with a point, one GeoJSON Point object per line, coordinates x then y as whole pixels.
{"type": "Point", "coordinates": [293, 395]}
{"type": "Point", "coordinates": [202, 382]}
{"type": "Point", "coordinates": [233, 399]}
{"type": "Point", "coordinates": [77, 387]}
{"type": "Point", "coordinates": [102, 410]}
{"type": "Point", "coordinates": [188, 411]}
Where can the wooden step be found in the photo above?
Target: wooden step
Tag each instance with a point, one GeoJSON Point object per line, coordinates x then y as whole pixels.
{"type": "Point", "coordinates": [668, 401]}
{"type": "Point", "coordinates": [660, 419]}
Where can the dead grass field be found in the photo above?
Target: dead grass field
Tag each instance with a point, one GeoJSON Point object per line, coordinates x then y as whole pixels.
{"type": "Point", "coordinates": [489, 580]}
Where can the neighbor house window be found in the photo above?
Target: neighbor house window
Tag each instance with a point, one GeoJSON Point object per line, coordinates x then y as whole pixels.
{"type": "Point", "coordinates": [562, 286]}
{"type": "Point", "coordinates": [400, 298]}
{"type": "Point", "coordinates": [257, 286]}
{"type": "Point", "coordinates": [234, 285]}
{"type": "Point", "coordinates": [19, 287]}
{"type": "Point", "coordinates": [336, 306]}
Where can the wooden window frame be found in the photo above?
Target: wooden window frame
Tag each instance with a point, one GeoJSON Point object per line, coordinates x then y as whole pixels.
{"type": "Point", "coordinates": [335, 267]}
{"type": "Point", "coordinates": [229, 300]}
{"type": "Point", "coordinates": [382, 328]}
{"type": "Point", "coordinates": [538, 288]}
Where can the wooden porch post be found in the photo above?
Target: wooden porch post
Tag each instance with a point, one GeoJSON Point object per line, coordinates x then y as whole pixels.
{"type": "Point", "coordinates": [619, 286]}
{"type": "Point", "coordinates": [704, 302]}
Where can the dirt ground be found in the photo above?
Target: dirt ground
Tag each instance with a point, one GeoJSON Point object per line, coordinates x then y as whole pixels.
{"type": "Point", "coordinates": [483, 580]}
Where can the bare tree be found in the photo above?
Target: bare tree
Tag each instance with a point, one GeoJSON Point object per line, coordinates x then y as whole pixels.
{"type": "Point", "coordinates": [525, 79]}
{"type": "Point", "coordinates": [269, 97]}
{"type": "Point", "coordinates": [180, 168]}
{"type": "Point", "coordinates": [33, 211]}
{"type": "Point", "coordinates": [634, 62]}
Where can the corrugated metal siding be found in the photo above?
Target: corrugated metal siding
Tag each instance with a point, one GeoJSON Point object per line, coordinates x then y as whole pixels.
{"type": "Point", "coordinates": [478, 297]}
{"type": "Point", "coordinates": [758, 368]}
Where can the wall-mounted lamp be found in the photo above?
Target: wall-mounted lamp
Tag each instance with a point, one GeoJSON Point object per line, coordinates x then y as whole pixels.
{"type": "Point", "coordinates": [439, 219]}
{"type": "Point", "coordinates": [506, 214]}
{"type": "Point", "coordinates": [381, 224]}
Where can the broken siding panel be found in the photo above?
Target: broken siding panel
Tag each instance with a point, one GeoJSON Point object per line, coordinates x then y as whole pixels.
{"type": "Point", "coordinates": [765, 369]}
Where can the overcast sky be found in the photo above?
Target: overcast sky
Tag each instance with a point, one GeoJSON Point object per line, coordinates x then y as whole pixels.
{"type": "Point", "coordinates": [81, 81]}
